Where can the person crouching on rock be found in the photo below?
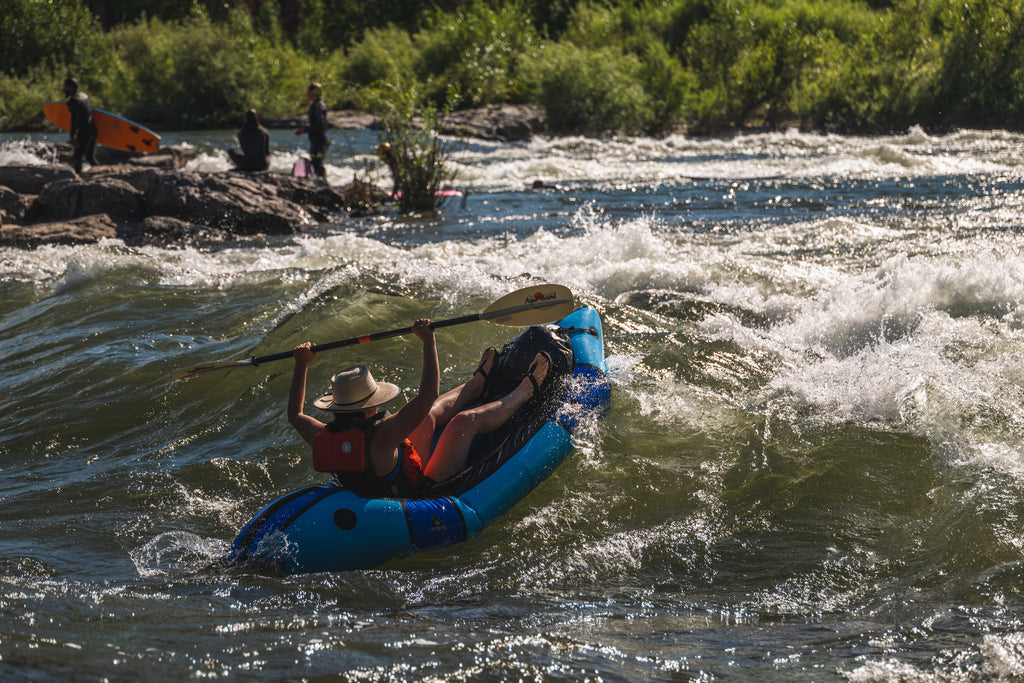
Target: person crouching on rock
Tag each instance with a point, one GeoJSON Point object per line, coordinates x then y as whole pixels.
{"type": "Point", "coordinates": [83, 128]}
{"type": "Point", "coordinates": [377, 453]}
{"type": "Point", "coordinates": [254, 140]}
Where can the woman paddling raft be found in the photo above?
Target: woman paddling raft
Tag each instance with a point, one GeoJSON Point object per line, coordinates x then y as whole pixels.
{"type": "Point", "coordinates": [377, 453]}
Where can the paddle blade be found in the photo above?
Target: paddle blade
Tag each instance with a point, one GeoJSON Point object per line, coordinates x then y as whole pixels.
{"type": "Point", "coordinates": [534, 305]}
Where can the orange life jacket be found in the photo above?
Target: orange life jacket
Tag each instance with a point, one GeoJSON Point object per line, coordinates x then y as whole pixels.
{"type": "Point", "coordinates": [341, 452]}
{"type": "Point", "coordinates": [345, 454]}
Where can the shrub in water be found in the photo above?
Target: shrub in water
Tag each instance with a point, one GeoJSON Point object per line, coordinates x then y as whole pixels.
{"type": "Point", "coordinates": [411, 149]}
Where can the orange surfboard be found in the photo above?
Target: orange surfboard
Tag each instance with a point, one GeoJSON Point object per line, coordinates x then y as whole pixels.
{"type": "Point", "coordinates": [112, 130]}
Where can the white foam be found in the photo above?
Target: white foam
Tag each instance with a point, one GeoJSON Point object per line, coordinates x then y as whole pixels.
{"type": "Point", "coordinates": [26, 153]}
{"type": "Point", "coordinates": [791, 154]}
{"type": "Point", "coordinates": [214, 161]}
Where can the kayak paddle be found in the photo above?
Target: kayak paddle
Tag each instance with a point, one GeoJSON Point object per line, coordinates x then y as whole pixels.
{"type": "Point", "coordinates": [528, 306]}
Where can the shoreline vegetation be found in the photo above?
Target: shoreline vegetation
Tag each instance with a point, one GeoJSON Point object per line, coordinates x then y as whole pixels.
{"type": "Point", "coordinates": [651, 67]}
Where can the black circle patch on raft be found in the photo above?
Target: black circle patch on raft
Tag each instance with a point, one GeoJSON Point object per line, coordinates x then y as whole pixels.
{"type": "Point", "coordinates": [345, 519]}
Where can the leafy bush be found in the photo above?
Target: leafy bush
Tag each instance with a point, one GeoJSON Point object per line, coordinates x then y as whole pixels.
{"type": "Point", "coordinates": [983, 61]}
{"type": "Point", "coordinates": [758, 61]}
{"type": "Point", "coordinates": [671, 89]}
{"type": "Point", "coordinates": [21, 99]}
{"type": "Point", "coordinates": [198, 73]}
{"type": "Point", "coordinates": [382, 55]}
{"type": "Point", "coordinates": [639, 30]}
{"type": "Point", "coordinates": [477, 53]}
{"type": "Point", "coordinates": [591, 90]}
{"type": "Point", "coordinates": [876, 80]}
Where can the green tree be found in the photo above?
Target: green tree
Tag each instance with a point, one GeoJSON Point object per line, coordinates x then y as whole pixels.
{"type": "Point", "coordinates": [40, 34]}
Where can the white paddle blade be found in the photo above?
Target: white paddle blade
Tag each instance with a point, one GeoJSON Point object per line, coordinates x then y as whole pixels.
{"type": "Point", "coordinates": [534, 305]}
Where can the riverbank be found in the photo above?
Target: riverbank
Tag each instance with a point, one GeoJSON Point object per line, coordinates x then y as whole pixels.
{"type": "Point", "coordinates": [502, 122]}
{"type": "Point", "coordinates": [152, 198]}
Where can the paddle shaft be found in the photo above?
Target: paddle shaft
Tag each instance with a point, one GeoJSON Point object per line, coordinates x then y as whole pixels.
{"type": "Point", "coordinates": [529, 306]}
{"type": "Point", "coordinates": [363, 339]}
{"type": "Point", "coordinates": [367, 338]}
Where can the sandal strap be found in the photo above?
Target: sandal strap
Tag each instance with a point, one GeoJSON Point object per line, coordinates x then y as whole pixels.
{"type": "Point", "coordinates": [533, 381]}
{"type": "Point", "coordinates": [480, 368]}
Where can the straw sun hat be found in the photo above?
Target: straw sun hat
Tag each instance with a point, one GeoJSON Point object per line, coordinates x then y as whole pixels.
{"type": "Point", "coordinates": [353, 390]}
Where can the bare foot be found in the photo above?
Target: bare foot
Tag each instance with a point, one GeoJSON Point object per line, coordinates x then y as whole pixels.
{"type": "Point", "coordinates": [535, 377]}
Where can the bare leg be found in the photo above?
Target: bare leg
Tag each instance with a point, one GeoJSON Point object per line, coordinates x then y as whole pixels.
{"type": "Point", "coordinates": [453, 446]}
{"type": "Point", "coordinates": [450, 403]}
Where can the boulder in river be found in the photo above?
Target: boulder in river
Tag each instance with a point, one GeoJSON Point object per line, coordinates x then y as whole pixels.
{"type": "Point", "coordinates": [81, 230]}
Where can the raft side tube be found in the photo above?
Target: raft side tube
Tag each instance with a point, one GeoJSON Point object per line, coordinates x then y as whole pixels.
{"type": "Point", "coordinates": [358, 533]}
{"type": "Point", "coordinates": [589, 388]}
{"type": "Point", "coordinates": [500, 492]}
{"type": "Point", "coordinates": [274, 517]}
{"type": "Point", "coordinates": [434, 522]}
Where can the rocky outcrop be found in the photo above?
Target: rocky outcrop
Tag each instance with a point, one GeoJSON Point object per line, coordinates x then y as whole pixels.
{"type": "Point", "coordinates": [502, 122]}
{"type": "Point", "coordinates": [163, 231]}
{"type": "Point", "coordinates": [507, 122]}
{"type": "Point", "coordinates": [143, 204]}
{"type": "Point", "coordinates": [30, 180]}
{"type": "Point", "coordinates": [234, 203]}
{"type": "Point", "coordinates": [81, 230]}
{"type": "Point", "coordinates": [71, 198]}
{"type": "Point", "coordinates": [13, 205]}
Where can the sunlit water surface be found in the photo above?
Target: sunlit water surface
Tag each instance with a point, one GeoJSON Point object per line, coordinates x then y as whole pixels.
{"type": "Point", "coordinates": [812, 468]}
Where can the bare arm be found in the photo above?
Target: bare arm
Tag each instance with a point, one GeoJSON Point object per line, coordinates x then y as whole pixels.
{"type": "Point", "coordinates": [397, 427]}
{"type": "Point", "coordinates": [307, 426]}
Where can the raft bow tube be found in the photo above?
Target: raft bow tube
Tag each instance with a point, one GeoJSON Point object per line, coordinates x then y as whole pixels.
{"type": "Point", "coordinates": [327, 527]}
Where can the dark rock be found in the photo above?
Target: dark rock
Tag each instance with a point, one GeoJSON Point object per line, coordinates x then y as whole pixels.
{"type": "Point", "coordinates": [352, 120]}
{"type": "Point", "coordinates": [82, 230]}
{"type": "Point", "coordinates": [167, 158]}
{"type": "Point", "coordinates": [508, 122]}
{"type": "Point", "coordinates": [164, 231]}
{"type": "Point", "coordinates": [496, 122]}
{"type": "Point", "coordinates": [343, 119]}
{"type": "Point", "coordinates": [239, 203]}
{"type": "Point", "coordinates": [32, 179]}
{"type": "Point", "coordinates": [13, 205]}
{"type": "Point", "coordinates": [71, 198]}
{"type": "Point", "coordinates": [315, 195]}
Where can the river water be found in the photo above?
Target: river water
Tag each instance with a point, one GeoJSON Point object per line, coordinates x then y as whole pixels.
{"type": "Point", "coordinates": [811, 470]}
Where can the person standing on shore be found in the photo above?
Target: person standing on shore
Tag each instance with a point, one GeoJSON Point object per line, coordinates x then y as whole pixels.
{"type": "Point", "coordinates": [83, 128]}
{"type": "Point", "coordinates": [316, 127]}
